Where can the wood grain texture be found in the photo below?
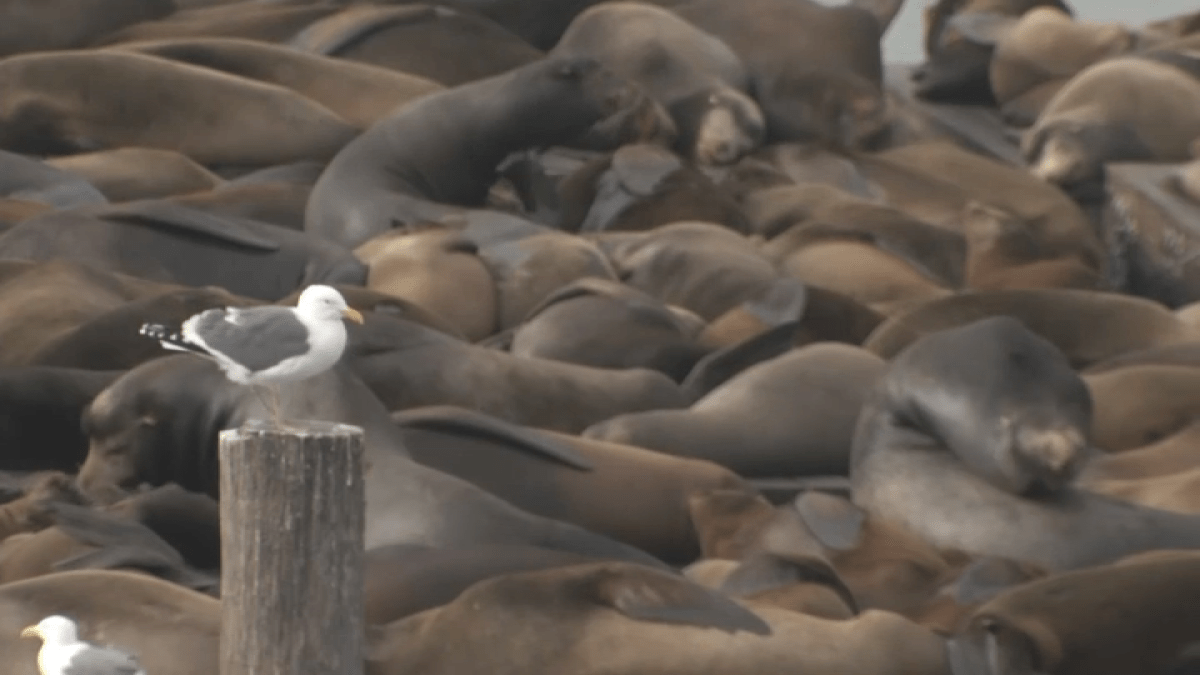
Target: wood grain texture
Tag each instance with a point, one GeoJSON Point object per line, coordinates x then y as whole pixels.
{"type": "Point", "coordinates": [292, 540]}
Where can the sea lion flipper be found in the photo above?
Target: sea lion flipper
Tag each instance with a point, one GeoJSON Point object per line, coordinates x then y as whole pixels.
{"type": "Point", "coordinates": [646, 594]}
{"type": "Point", "coordinates": [455, 419]}
{"type": "Point", "coordinates": [835, 521]}
{"type": "Point", "coordinates": [338, 32]}
{"type": "Point", "coordinates": [718, 367]}
{"type": "Point", "coordinates": [784, 302]}
{"type": "Point", "coordinates": [642, 167]}
{"type": "Point", "coordinates": [764, 571]}
{"type": "Point", "coordinates": [177, 216]}
{"type": "Point", "coordinates": [986, 577]}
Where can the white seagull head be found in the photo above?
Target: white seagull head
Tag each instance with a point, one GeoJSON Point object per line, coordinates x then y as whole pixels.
{"type": "Point", "coordinates": [55, 629]}
{"type": "Point", "coordinates": [324, 303]}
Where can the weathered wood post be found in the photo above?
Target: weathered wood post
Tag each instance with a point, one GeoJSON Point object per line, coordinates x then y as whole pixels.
{"type": "Point", "coordinates": [292, 527]}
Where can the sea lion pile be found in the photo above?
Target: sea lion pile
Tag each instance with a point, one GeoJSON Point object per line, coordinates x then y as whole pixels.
{"type": "Point", "coordinates": [697, 340]}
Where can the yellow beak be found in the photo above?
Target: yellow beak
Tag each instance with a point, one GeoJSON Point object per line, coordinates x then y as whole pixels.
{"type": "Point", "coordinates": [30, 631]}
{"type": "Point", "coordinates": [353, 315]}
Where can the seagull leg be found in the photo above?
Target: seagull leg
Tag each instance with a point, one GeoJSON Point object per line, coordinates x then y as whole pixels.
{"type": "Point", "coordinates": [266, 403]}
{"type": "Point", "coordinates": [276, 411]}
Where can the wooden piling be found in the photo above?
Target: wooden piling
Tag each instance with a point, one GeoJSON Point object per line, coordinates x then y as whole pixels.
{"type": "Point", "coordinates": [292, 539]}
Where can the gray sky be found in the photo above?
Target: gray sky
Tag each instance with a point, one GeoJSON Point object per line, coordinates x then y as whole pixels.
{"type": "Point", "coordinates": [902, 44]}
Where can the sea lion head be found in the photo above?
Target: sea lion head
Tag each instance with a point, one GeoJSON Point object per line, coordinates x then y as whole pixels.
{"type": "Point", "coordinates": [153, 424]}
{"type": "Point", "coordinates": [731, 126]}
{"type": "Point", "coordinates": [617, 110]}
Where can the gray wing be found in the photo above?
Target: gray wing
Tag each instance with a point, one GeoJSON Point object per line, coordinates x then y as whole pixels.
{"type": "Point", "coordinates": [257, 338]}
{"type": "Point", "coordinates": [102, 661]}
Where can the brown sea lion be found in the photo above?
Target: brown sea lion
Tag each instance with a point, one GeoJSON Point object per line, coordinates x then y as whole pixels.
{"type": "Point", "coordinates": [658, 623]}
{"type": "Point", "coordinates": [802, 406]}
{"type": "Point", "coordinates": [1120, 109]}
{"type": "Point", "coordinates": [956, 67]}
{"type": "Point", "coordinates": [82, 101]}
{"type": "Point", "coordinates": [71, 24]}
{"type": "Point", "coordinates": [1003, 252]}
{"type": "Point", "coordinates": [439, 43]}
{"type": "Point", "coordinates": [1082, 324]}
{"type": "Point", "coordinates": [359, 93]}
{"type": "Point", "coordinates": [439, 270]}
{"type": "Point", "coordinates": [126, 174]}
{"type": "Point", "coordinates": [1132, 616]}
{"type": "Point", "coordinates": [172, 630]}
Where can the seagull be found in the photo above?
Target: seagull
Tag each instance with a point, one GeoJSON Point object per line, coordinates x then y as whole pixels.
{"type": "Point", "coordinates": [63, 653]}
{"type": "Point", "coordinates": [267, 345]}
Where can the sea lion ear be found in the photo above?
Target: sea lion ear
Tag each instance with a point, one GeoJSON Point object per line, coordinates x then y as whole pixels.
{"type": "Point", "coordinates": [646, 594]}
{"type": "Point", "coordinates": [836, 522]}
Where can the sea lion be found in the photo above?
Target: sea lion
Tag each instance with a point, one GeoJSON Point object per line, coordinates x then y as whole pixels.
{"type": "Point", "coordinates": [956, 67]}
{"type": "Point", "coordinates": [439, 43]}
{"type": "Point", "coordinates": [82, 101]}
{"type": "Point", "coordinates": [28, 180]}
{"type": "Point", "coordinates": [1120, 109]}
{"type": "Point", "coordinates": [408, 366]}
{"type": "Point", "coordinates": [570, 478]}
{"type": "Point", "coordinates": [1039, 52]}
{"type": "Point", "coordinates": [822, 83]}
{"type": "Point", "coordinates": [1170, 455]}
{"type": "Point", "coordinates": [605, 324]}
{"type": "Point", "coordinates": [802, 405]}
{"type": "Point", "coordinates": [110, 341]}
{"type": "Point", "coordinates": [1068, 623]}
{"type": "Point", "coordinates": [1003, 253]}
{"type": "Point", "coordinates": [159, 423]}
{"type": "Point", "coordinates": [527, 270]}
{"type": "Point", "coordinates": [1142, 404]}
{"type": "Point", "coordinates": [935, 182]}
{"type": "Point", "coordinates": [439, 270]}
{"type": "Point", "coordinates": [173, 244]}
{"type": "Point", "coordinates": [640, 187]}
{"type": "Point", "coordinates": [126, 174]}
{"type": "Point", "coordinates": [31, 511]}
{"type": "Point", "coordinates": [1083, 324]}
{"type": "Point", "coordinates": [251, 21]}
{"type": "Point", "coordinates": [359, 93]}
{"type": "Point", "coordinates": [71, 24]}
{"type": "Point", "coordinates": [414, 165]}
{"type": "Point", "coordinates": [39, 415]}
{"type": "Point", "coordinates": [404, 579]}
{"type": "Point", "coordinates": [695, 76]}
{"type": "Point", "coordinates": [43, 301]}
{"type": "Point", "coordinates": [166, 532]}
{"type": "Point", "coordinates": [988, 422]}
{"type": "Point", "coordinates": [571, 618]}
{"type": "Point", "coordinates": [172, 630]}
{"type": "Point", "coordinates": [702, 267]}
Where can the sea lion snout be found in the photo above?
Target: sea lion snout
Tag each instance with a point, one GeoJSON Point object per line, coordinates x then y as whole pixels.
{"type": "Point", "coordinates": [1053, 456]}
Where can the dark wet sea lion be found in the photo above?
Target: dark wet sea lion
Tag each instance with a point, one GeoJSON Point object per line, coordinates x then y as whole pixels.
{"type": "Point", "coordinates": [159, 423]}
{"type": "Point", "coordinates": [699, 79]}
{"type": "Point", "coordinates": [439, 154]}
{"type": "Point", "coordinates": [971, 440]}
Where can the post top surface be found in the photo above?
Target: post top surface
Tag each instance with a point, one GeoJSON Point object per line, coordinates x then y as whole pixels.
{"type": "Point", "coordinates": [293, 428]}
